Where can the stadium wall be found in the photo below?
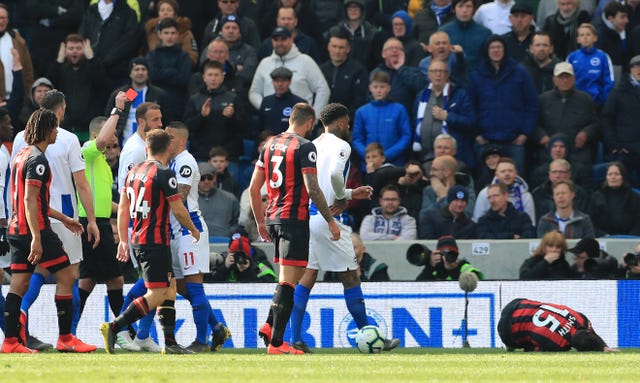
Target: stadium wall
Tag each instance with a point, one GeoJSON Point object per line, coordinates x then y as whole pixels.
{"type": "Point", "coordinates": [420, 314]}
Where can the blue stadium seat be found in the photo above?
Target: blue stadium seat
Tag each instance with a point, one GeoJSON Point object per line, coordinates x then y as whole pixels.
{"type": "Point", "coordinates": [215, 239]}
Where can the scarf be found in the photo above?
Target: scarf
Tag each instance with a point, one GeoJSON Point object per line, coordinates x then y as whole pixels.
{"type": "Point", "coordinates": [422, 107]}
{"type": "Point", "coordinates": [105, 9]}
{"type": "Point", "coordinates": [440, 12]}
{"type": "Point", "coordinates": [515, 194]}
{"type": "Point", "coordinates": [570, 24]}
{"type": "Point", "coordinates": [633, 81]}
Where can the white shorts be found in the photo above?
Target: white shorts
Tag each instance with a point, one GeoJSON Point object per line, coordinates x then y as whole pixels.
{"type": "Point", "coordinates": [189, 258]}
{"type": "Point", "coordinates": [5, 260]}
{"type": "Point", "coordinates": [72, 243]}
{"type": "Point", "coordinates": [328, 255]}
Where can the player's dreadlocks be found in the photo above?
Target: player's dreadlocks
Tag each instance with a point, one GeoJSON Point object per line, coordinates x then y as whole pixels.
{"type": "Point", "coordinates": [40, 124]}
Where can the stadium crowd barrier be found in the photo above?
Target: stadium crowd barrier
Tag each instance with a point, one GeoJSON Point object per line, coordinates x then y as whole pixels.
{"type": "Point", "coordinates": [497, 259]}
{"type": "Point", "coordinates": [420, 314]}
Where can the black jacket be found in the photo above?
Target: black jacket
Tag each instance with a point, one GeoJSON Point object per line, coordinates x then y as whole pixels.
{"type": "Point", "coordinates": [493, 225]}
{"type": "Point", "coordinates": [215, 129]}
{"type": "Point", "coordinates": [609, 41]}
{"type": "Point", "coordinates": [615, 211]}
{"type": "Point", "coordinates": [543, 199]}
{"type": "Point", "coordinates": [620, 116]}
{"type": "Point", "coordinates": [83, 87]}
{"type": "Point", "coordinates": [517, 49]}
{"type": "Point", "coordinates": [536, 268]}
{"type": "Point", "coordinates": [275, 110]}
{"type": "Point", "coordinates": [542, 77]}
{"type": "Point", "coordinates": [116, 40]}
{"type": "Point", "coordinates": [348, 83]}
{"type": "Point", "coordinates": [564, 42]}
{"type": "Point", "coordinates": [436, 223]}
{"type": "Point", "coordinates": [170, 70]}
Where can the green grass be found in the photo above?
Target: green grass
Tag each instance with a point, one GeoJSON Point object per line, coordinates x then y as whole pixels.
{"type": "Point", "coordinates": [333, 365]}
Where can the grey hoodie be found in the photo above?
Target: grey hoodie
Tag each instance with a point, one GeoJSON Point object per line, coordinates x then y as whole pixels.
{"type": "Point", "coordinates": [307, 82]}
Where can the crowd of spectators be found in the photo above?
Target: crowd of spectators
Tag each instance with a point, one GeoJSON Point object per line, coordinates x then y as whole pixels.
{"type": "Point", "coordinates": [478, 114]}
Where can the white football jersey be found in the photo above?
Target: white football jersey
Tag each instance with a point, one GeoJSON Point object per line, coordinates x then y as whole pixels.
{"type": "Point", "coordinates": [65, 158]}
{"type": "Point", "coordinates": [332, 161]}
{"type": "Point", "coordinates": [132, 154]}
{"type": "Point", "coordinates": [186, 169]}
{"type": "Point", "coordinates": [5, 178]}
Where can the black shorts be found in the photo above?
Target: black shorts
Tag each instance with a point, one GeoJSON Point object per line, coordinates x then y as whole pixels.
{"type": "Point", "coordinates": [155, 265]}
{"type": "Point", "coordinates": [99, 264]}
{"type": "Point", "coordinates": [53, 259]}
{"type": "Point", "coordinates": [504, 325]}
{"type": "Point", "coordinates": [292, 243]}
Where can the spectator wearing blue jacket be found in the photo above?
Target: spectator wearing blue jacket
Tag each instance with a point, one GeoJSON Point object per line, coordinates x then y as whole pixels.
{"type": "Point", "coordinates": [382, 121]}
{"type": "Point", "coordinates": [465, 32]}
{"type": "Point", "coordinates": [592, 66]}
{"type": "Point", "coordinates": [505, 102]}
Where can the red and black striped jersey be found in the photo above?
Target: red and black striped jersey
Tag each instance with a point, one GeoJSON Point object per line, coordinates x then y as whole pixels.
{"type": "Point", "coordinates": [284, 159]}
{"type": "Point", "coordinates": [29, 167]}
{"type": "Point", "coordinates": [538, 326]}
{"type": "Point", "coordinates": [150, 187]}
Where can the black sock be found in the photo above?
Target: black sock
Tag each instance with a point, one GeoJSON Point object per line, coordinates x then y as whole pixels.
{"type": "Point", "coordinates": [12, 315]}
{"type": "Point", "coordinates": [84, 295]}
{"type": "Point", "coordinates": [167, 318]}
{"type": "Point", "coordinates": [136, 310]}
{"type": "Point", "coordinates": [116, 300]}
{"type": "Point", "coordinates": [270, 315]}
{"type": "Point", "coordinates": [282, 305]}
{"type": "Point", "coordinates": [64, 304]}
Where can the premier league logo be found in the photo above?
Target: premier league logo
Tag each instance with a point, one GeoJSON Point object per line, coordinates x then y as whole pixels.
{"type": "Point", "coordinates": [347, 328]}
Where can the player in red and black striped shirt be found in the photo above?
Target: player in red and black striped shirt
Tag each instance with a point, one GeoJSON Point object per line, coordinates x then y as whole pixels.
{"type": "Point", "coordinates": [150, 190]}
{"type": "Point", "coordinates": [32, 240]}
{"type": "Point", "coordinates": [288, 165]}
{"type": "Point", "coordinates": [537, 326]}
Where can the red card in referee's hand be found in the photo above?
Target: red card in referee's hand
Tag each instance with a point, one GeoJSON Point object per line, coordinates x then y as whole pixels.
{"type": "Point", "coordinates": [131, 94]}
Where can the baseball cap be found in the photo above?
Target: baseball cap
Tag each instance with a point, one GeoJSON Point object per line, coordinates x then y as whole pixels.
{"type": "Point", "coordinates": [239, 243]}
{"type": "Point", "coordinates": [635, 60]}
{"type": "Point", "coordinates": [229, 18]}
{"type": "Point", "coordinates": [590, 245]}
{"type": "Point", "coordinates": [206, 168]}
{"type": "Point", "coordinates": [521, 8]}
{"type": "Point", "coordinates": [447, 243]}
{"type": "Point", "coordinates": [281, 72]}
{"type": "Point", "coordinates": [489, 150]}
{"type": "Point", "coordinates": [457, 192]}
{"type": "Point", "coordinates": [563, 67]}
{"type": "Point", "coordinates": [280, 32]}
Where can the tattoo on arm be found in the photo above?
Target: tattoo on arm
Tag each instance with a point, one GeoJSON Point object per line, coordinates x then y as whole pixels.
{"type": "Point", "coordinates": [311, 182]}
{"type": "Point", "coordinates": [183, 191]}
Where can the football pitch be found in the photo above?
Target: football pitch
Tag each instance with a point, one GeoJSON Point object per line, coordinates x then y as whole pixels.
{"type": "Point", "coordinates": [325, 365]}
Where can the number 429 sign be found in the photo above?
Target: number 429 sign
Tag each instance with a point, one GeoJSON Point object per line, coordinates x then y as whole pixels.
{"type": "Point", "coordinates": [480, 248]}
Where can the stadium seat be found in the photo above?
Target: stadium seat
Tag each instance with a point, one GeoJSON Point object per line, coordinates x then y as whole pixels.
{"type": "Point", "coordinates": [215, 239]}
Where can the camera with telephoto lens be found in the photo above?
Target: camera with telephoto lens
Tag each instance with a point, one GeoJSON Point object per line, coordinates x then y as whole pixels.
{"type": "Point", "coordinates": [418, 254]}
{"type": "Point", "coordinates": [240, 258]}
{"type": "Point", "coordinates": [631, 259]}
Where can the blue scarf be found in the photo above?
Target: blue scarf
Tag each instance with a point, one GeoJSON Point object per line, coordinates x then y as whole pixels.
{"type": "Point", "coordinates": [441, 12]}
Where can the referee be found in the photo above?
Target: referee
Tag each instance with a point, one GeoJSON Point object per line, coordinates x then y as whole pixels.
{"type": "Point", "coordinates": [99, 263]}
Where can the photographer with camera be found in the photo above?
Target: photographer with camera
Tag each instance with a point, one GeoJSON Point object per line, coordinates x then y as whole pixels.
{"type": "Point", "coordinates": [442, 264]}
{"type": "Point", "coordinates": [243, 264]}
{"type": "Point", "coordinates": [591, 262]}
{"type": "Point", "coordinates": [630, 266]}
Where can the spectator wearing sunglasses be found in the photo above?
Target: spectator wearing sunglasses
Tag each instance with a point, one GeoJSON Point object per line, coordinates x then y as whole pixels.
{"type": "Point", "coordinates": [219, 208]}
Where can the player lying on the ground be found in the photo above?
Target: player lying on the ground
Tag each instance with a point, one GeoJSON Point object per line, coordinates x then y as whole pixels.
{"type": "Point", "coordinates": [537, 326]}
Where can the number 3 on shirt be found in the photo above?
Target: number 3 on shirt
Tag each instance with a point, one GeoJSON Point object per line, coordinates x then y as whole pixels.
{"type": "Point", "coordinates": [139, 205]}
{"type": "Point", "coordinates": [276, 177]}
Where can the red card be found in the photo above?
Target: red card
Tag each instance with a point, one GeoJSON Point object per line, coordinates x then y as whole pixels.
{"type": "Point", "coordinates": [131, 94]}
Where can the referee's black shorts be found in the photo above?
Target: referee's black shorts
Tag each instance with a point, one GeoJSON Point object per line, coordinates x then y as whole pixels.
{"type": "Point", "coordinates": [99, 264]}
